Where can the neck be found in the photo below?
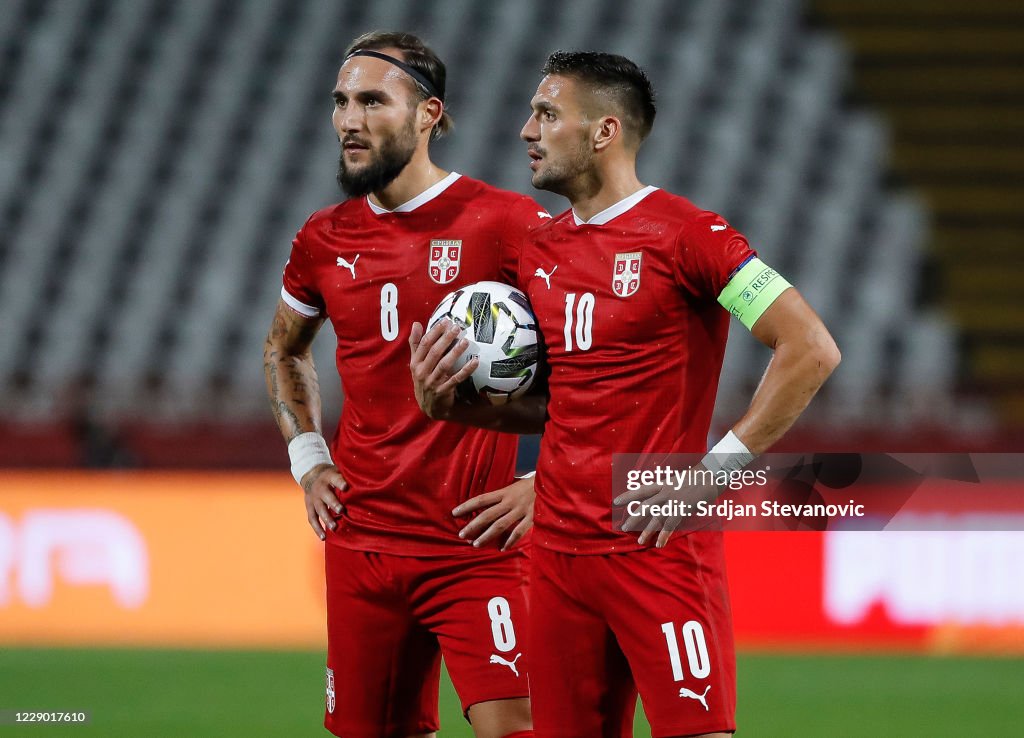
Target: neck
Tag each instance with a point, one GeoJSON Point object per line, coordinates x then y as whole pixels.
{"type": "Point", "coordinates": [611, 187]}
{"type": "Point", "coordinates": [419, 174]}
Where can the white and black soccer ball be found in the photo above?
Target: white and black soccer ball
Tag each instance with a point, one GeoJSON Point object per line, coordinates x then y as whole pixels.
{"type": "Point", "coordinates": [502, 332]}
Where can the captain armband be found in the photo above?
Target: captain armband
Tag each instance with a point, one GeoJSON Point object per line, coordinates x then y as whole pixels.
{"type": "Point", "coordinates": [752, 290]}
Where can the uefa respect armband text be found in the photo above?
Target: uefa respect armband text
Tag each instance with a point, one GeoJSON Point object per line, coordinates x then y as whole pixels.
{"type": "Point", "coordinates": [752, 290]}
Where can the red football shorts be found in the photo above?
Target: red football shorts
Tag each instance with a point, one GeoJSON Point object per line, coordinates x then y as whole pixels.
{"type": "Point", "coordinates": [602, 626]}
{"type": "Point", "coordinates": [390, 619]}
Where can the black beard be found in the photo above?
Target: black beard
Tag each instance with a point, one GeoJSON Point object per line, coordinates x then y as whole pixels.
{"type": "Point", "coordinates": [565, 179]}
{"type": "Point", "coordinates": [395, 153]}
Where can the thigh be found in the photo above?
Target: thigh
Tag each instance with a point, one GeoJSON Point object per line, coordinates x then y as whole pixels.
{"type": "Point", "coordinates": [383, 668]}
{"type": "Point", "coordinates": [581, 683]}
{"type": "Point", "coordinates": [670, 611]}
{"type": "Point", "coordinates": [476, 607]}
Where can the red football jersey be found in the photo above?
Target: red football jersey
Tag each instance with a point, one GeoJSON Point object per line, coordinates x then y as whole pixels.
{"type": "Point", "coordinates": [635, 340]}
{"type": "Point", "coordinates": [373, 272]}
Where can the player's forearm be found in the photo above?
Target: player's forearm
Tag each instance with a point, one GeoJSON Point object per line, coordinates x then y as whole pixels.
{"type": "Point", "coordinates": [294, 391]}
{"type": "Point", "coordinates": [524, 416]}
{"type": "Point", "coordinates": [796, 372]}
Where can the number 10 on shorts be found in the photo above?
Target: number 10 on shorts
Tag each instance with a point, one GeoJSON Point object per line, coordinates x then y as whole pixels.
{"type": "Point", "coordinates": [696, 650]}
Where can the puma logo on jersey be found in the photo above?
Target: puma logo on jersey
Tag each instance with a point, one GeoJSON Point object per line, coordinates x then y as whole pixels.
{"type": "Point", "coordinates": [496, 659]}
{"type": "Point", "coordinates": [351, 267]}
{"type": "Point", "coordinates": [718, 227]}
{"type": "Point", "coordinates": [543, 214]}
{"type": "Point", "coordinates": [546, 276]}
{"type": "Point", "coordinates": [684, 692]}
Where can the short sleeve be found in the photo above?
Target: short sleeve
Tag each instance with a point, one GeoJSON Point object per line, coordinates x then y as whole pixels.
{"type": "Point", "coordinates": [709, 252]}
{"type": "Point", "coordinates": [300, 291]}
{"type": "Point", "coordinates": [524, 216]}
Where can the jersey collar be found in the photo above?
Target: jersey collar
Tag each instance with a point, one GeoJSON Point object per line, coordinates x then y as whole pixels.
{"type": "Point", "coordinates": [613, 211]}
{"type": "Point", "coordinates": [421, 199]}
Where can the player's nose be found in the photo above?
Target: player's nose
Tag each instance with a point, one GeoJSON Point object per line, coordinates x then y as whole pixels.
{"type": "Point", "coordinates": [349, 120]}
{"type": "Point", "coordinates": [530, 131]}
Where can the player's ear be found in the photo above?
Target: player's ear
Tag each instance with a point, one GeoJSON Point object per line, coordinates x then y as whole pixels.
{"type": "Point", "coordinates": [607, 130]}
{"type": "Point", "coordinates": [430, 111]}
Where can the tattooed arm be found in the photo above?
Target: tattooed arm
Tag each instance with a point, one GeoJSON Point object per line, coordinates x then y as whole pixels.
{"type": "Point", "coordinates": [294, 392]}
{"type": "Point", "coordinates": [290, 373]}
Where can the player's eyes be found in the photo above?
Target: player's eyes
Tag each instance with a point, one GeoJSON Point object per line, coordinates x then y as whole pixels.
{"type": "Point", "coordinates": [548, 115]}
{"type": "Point", "coordinates": [339, 103]}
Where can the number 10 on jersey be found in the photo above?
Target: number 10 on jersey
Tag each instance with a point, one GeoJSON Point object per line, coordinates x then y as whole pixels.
{"type": "Point", "coordinates": [583, 313]}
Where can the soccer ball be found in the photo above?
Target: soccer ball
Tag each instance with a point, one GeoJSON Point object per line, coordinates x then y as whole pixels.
{"type": "Point", "coordinates": [501, 331]}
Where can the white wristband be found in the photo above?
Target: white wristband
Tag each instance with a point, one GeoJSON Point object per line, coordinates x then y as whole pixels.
{"type": "Point", "coordinates": [307, 450]}
{"type": "Point", "coordinates": [728, 455]}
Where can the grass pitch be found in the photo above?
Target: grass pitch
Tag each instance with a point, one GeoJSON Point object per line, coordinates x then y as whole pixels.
{"type": "Point", "coordinates": [236, 693]}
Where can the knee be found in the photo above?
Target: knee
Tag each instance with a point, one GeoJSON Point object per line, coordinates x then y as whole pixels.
{"type": "Point", "coordinates": [502, 719]}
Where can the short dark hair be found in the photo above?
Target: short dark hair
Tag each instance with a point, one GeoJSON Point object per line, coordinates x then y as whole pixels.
{"type": "Point", "coordinates": [616, 75]}
{"type": "Point", "coordinates": [417, 55]}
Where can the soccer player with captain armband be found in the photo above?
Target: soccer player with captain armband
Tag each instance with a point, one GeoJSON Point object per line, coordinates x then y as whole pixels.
{"type": "Point", "coordinates": [628, 287]}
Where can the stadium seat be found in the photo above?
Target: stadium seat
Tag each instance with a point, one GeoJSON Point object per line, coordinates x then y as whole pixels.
{"type": "Point", "coordinates": [159, 157]}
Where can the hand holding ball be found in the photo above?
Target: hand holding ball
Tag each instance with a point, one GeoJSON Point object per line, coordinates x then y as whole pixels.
{"type": "Point", "coordinates": [502, 334]}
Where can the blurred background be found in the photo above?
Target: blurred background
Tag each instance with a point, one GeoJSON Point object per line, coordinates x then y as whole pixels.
{"type": "Point", "coordinates": [157, 157]}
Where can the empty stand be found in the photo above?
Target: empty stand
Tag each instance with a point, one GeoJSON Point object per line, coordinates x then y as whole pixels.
{"type": "Point", "coordinates": [156, 159]}
{"type": "Point", "coordinates": [950, 75]}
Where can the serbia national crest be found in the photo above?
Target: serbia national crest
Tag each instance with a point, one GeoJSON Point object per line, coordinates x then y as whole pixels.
{"type": "Point", "coordinates": [626, 273]}
{"type": "Point", "coordinates": [444, 260]}
{"type": "Point", "coordinates": [330, 690]}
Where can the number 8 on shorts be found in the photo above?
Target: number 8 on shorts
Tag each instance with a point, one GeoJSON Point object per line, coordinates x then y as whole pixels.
{"type": "Point", "coordinates": [501, 624]}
